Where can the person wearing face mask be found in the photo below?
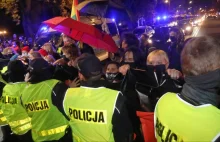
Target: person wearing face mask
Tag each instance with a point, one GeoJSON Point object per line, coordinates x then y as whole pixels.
{"type": "Point", "coordinates": [112, 70]}
{"type": "Point", "coordinates": [194, 111]}
{"type": "Point", "coordinates": [113, 76]}
{"type": "Point", "coordinates": [175, 48]}
{"type": "Point", "coordinates": [25, 51]}
{"type": "Point", "coordinates": [132, 59]}
{"type": "Point", "coordinates": [172, 81]}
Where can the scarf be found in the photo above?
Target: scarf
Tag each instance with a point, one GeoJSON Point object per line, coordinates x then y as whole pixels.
{"type": "Point", "coordinates": [203, 88]}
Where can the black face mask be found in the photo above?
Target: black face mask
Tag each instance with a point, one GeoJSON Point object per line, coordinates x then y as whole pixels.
{"type": "Point", "coordinates": [8, 56]}
{"type": "Point", "coordinates": [173, 39]}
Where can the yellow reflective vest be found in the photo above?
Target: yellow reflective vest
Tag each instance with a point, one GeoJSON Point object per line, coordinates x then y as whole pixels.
{"type": "Point", "coordinates": [48, 123]}
{"type": "Point", "coordinates": [16, 115]}
{"type": "Point", "coordinates": [90, 111]}
{"type": "Point", "coordinates": [5, 68]}
{"type": "Point", "coordinates": [3, 120]}
{"type": "Point", "coordinates": [178, 121]}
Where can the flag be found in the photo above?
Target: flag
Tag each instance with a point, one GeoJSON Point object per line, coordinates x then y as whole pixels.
{"type": "Point", "coordinates": [75, 12]}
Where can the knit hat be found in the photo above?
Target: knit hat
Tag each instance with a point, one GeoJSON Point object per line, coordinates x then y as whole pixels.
{"type": "Point", "coordinates": [43, 52]}
{"type": "Point", "coordinates": [25, 48]}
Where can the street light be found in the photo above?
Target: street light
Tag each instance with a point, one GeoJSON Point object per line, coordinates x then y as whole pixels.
{"type": "Point", "coordinates": [168, 3]}
{"type": "Point", "coordinates": [3, 33]}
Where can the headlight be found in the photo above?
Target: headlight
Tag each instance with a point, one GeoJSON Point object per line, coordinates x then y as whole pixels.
{"type": "Point", "coordinates": [150, 41]}
{"type": "Point", "coordinates": [188, 28]}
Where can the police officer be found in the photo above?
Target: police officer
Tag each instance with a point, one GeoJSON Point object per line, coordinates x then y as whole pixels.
{"type": "Point", "coordinates": [96, 113]}
{"type": "Point", "coordinates": [14, 113]}
{"type": "Point", "coordinates": [193, 115]}
{"type": "Point", "coordinates": [38, 98]}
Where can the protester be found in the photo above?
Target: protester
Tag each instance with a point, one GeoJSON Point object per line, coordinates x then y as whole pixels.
{"type": "Point", "coordinates": [8, 52]}
{"type": "Point", "coordinates": [130, 40]}
{"type": "Point", "coordinates": [112, 72]}
{"type": "Point", "coordinates": [113, 76]}
{"type": "Point", "coordinates": [144, 43]}
{"type": "Point", "coordinates": [24, 51]}
{"type": "Point", "coordinates": [132, 59]}
{"type": "Point", "coordinates": [34, 54]}
{"type": "Point", "coordinates": [175, 48]}
{"type": "Point", "coordinates": [105, 117]}
{"type": "Point", "coordinates": [43, 52]}
{"type": "Point", "coordinates": [70, 53]}
{"type": "Point", "coordinates": [195, 110]}
{"type": "Point", "coordinates": [50, 59]}
{"type": "Point", "coordinates": [67, 40]}
{"type": "Point", "coordinates": [51, 50]}
{"type": "Point", "coordinates": [171, 80]}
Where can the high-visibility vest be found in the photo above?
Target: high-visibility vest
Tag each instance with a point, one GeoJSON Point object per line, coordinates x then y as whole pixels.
{"type": "Point", "coordinates": [3, 120]}
{"type": "Point", "coordinates": [177, 120]}
{"type": "Point", "coordinates": [90, 111]}
{"type": "Point", "coordinates": [2, 80]}
{"type": "Point", "coordinates": [59, 50]}
{"type": "Point", "coordinates": [4, 69]}
{"type": "Point", "coordinates": [16, 115]}
{"type": "Point", "coordinates": [47, 121]}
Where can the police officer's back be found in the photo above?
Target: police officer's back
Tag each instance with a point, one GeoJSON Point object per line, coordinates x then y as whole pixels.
{"type": "Point", "coordinates": [96, 113]}
{"type": "Point", "coordinates": [193, 115]}
{"type": "Point", "coordinates": [38, 98]}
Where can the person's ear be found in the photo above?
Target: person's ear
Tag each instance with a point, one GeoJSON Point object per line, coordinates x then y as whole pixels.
{"type": "Point", "coordinates": [81, 77]}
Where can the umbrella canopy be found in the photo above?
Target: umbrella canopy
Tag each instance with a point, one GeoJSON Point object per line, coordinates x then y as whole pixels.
{"type": "Point", "coordinates": [83, 32]}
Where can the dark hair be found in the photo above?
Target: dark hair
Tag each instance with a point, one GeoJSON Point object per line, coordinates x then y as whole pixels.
{"type": "Point", "coordinates": [180, 35]}
{"type": "Point", "coordinates": [87, 49]}
{"type": "Point", "coordinates": [112, 62]}
{"type": "Point", "coordinates": [16, 71]}
{"type": "Point", "coordinates": [200, 55]}
{"type": "Point", "coordinates": [39, 70]}
{"type": "Point", "coordinates": [131, 40]}
{"type": "Point", "coordinates": [137, 55]}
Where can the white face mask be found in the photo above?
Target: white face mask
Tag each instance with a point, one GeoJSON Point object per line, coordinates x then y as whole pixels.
{"type": "Point", "coordinates": [24, 54]}
{"type": "Point", "coordinates": [110, 76]}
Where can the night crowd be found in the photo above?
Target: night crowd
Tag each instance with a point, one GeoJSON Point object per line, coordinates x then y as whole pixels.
{"type": "Point", "coordinates": [65, 93]}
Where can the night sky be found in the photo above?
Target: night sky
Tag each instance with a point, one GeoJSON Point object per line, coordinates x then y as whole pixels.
{"type": "Point", "coordinates": [6, 23]}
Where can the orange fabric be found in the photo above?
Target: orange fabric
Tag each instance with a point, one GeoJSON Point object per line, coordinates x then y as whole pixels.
{"type": "Point", "coordinates": [147, 124]}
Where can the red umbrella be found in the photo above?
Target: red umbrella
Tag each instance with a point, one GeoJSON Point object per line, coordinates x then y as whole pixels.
{"type": "Point", "coordinates": [83, 32]}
